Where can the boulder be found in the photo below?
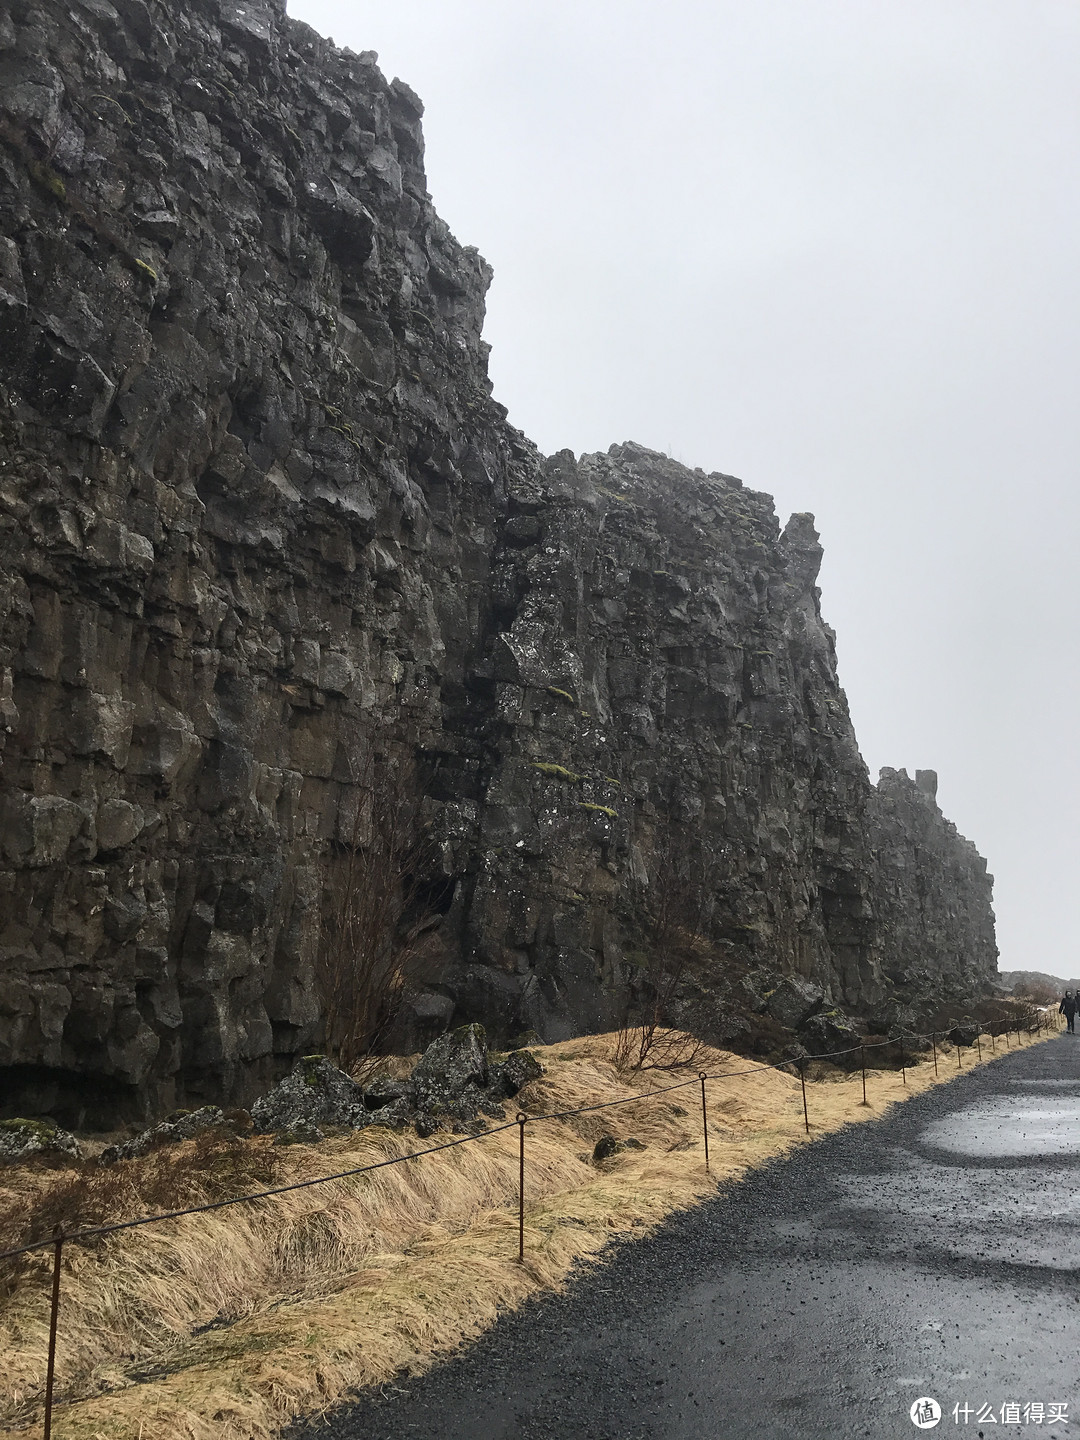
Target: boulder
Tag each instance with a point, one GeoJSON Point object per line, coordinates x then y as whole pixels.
{"type": "Point", "coordinates": [512, 1074]}
{"type": "Point", "coordinates": [793, 1000]}
{"type": "Point", "coordinates": [304, 1132]}
{"type": "Point", "coordinates": [606, 1147]}
{"type": "Point", "coordinates": [181, 1125]}
{"type": "Point", "coordinates": [35, 1139]}
{"type": "Point", "coordinates": [792, 1054]}
{"type": "Point", "coordinates": [892, 1017]}
{"type": "Point", "coordinates": [914, 1041]}
{"type": "Point", "coordinates": [965, 1032]}
{"type": "Point", "coordinates": [449, 1064]}
{"type": "Point", "coordinates": [828, 1034]}
{"type": "Point", "coordinates": [453, 1084]}
{"type": "Point", "coordinates": [316, 1094]}
{"type": "Point", "coordinates": [383, 1091]}
{"type": "Point", "coordinates": [751, 991]}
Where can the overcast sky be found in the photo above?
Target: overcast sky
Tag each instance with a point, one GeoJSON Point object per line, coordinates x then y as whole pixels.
{"type": "Point", "coordinates": [830, 246]}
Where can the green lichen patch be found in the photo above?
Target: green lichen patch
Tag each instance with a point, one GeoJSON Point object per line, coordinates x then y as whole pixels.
{"type": "Point", "coordinates": [48, 180]}
{"type": "Point", "coordinates": [603, 809]}
{"type": "Point", "coordinates": [30, 1129]}
{"type": "Point", "coordinates": [557, 772]}
{"type": "Point", "coordinates": [562, 694]}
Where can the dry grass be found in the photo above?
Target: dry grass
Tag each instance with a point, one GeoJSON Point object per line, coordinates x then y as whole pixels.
{"type": "Point", "coordinates": [230, 1323]}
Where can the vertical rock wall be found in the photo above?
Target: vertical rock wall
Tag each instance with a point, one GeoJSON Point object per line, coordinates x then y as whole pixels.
{"type": "Point", "coordinates": [261, 519]}
{"type": "Point", "coordinates": [932, 894]}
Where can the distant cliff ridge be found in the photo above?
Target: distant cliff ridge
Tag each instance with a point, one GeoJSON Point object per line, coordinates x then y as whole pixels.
{"type": "Point", "coordinates": [261, 521]}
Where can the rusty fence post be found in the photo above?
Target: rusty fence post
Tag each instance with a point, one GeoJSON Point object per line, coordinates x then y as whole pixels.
{"type": "Point", "coordinates": [933, 1042]}
{"type": "Point", "coordinates": [521, 1119]}
{"type": "Point", "coordinates": [993, 1042]}
{"type": "Point", "coordinates": [704, 1118]}
{"type": "Point", "coordinates": [903, 1063]}
{"type": "Point", "coordinates": [50, 1373]}
{"type": "Point", "coordinates": [978, 1045]}
{"type": "Point", "coordinates": [1005, 1032]}
{"type": "Point", "coordinates": [802, 1077]}
{"type": "Point", "coordinates": [959, 1062]}
{"type": "Point", "coordinates": [862, 1052]}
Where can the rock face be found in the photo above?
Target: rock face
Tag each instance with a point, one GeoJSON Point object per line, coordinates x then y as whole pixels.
{"type": "Point", "coordinates": [932, 894]}
{"type": "Point", "coordinates": [261, 520]}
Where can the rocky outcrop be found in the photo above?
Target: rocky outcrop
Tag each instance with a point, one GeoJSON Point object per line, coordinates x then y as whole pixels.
{"type": "Point", "coordinates": [454, 1085]}
{"type": "Point", "coordinates": [315, 1096]}
{"type": "Point", "coordinates": [932, 896]}
{"type": "Point", "coordinates": [183, 1125]}
{"type": "Point", "coordinates": [262, 525]}
{"type": "Point", "coordinates": [23, 1140]}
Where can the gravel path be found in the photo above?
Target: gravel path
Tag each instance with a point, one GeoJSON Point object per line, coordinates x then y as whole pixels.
{"type": "Point", "coordinates": [934, 1252]}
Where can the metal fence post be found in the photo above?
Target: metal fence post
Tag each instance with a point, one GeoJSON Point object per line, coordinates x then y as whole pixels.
{"type": "Point", "coordinates": [862, 1052]}
{"type": "Point", "coordinates": [704, 1118]}
{"type": "Point", "coordinates": [978, 1044]}
{"type": "Point", "coordinates": [802, 1077]}
{"type": "Point", "coordinates": [903, 1066]}
{"type": "Point", "coordinates": [50, 1373]}
{"type": "Point", "coordinates": [993, 1042]}
{"type": "Point", "coordinates": [521, 1119]}
{"type": "Point", "coordinates": [933, 1042]}
{"type": "Point", "coordinates": [959, 1062]}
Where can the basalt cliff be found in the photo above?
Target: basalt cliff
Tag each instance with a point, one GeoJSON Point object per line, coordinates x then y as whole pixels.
{"type": "Point", "coordinates": [263, 526]}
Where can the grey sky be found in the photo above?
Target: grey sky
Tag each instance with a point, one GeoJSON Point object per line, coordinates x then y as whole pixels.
{"type": "Point", "coordinates": [830, 246]}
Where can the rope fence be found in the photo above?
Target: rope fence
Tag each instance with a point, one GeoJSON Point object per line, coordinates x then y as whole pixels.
{"type": "Point", "coordinates": [1045, 1023]}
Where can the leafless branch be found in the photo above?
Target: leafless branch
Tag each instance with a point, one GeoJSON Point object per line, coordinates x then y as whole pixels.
{"type": "Point", "coordinates": [677, 903]}
{"type": "Point", "coordinates": [371, 958]}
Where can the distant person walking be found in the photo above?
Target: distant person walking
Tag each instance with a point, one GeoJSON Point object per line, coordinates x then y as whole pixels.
{"type": "Point", "coordinates": [1068, 1007]}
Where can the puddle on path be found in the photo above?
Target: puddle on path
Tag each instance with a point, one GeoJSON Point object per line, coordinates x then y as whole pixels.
{"type": "Point", "coordinates": [1010, 1128]}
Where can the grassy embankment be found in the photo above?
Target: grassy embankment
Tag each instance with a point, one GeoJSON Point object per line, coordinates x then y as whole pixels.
{"type": "Point", "coordinates": [232, 1322]}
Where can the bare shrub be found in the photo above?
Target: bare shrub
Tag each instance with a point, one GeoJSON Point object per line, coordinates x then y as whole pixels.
{"type": "Point", "coordinates": [677, 903]}
{"type": "Point", "coordinates": [373, 955]}
{"type": "Point", "coordinates": [1037, 990]}
{"type": "Point", "coordinates": [1008, 1013]}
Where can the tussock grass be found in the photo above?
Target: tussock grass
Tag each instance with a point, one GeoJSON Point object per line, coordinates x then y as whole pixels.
{"type": "Point", "coordinates": [231, 1323]}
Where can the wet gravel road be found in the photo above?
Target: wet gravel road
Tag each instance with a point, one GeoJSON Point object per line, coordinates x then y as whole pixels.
{"type": "Point", "coordinates": [935, 1252]}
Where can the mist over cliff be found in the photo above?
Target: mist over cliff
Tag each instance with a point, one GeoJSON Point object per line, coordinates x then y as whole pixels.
{"type": "Point", "coordinates": [263, 526]}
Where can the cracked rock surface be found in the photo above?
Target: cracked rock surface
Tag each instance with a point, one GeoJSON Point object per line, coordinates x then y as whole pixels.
{"type": "Point", "coordinates": [261, 520]}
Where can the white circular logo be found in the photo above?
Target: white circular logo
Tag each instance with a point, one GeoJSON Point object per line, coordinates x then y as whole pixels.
{"type": "Point", "coordinates": [925, 1413]}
